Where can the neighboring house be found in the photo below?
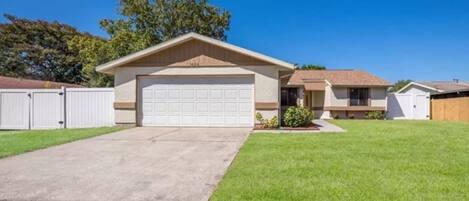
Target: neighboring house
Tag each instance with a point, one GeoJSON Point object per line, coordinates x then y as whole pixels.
{"type": "Point", "coordinates": [194, 80]}
{"type": "Point", "coordinates": [451, 94]}
{"type": "Point", "coordinates": [335, 93]}
{"type": "Point", "coordinates": [20, 83]}
{"type": "Point", "coordinates": [433, 87]}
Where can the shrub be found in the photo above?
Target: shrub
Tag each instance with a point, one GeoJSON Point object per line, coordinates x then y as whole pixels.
{"type": "Point", "coordinates": [259, 118]}
{"type": "Point", "coordinates": [297, 116]}
{"type": "Point", "coordinates": [266, 123]}
{"type": "Point", "coordinates": [272, 123]}
{"type": "Point", "coordinates": [336, 116]}
{"type": "Point", "coordinates": [375, 115]}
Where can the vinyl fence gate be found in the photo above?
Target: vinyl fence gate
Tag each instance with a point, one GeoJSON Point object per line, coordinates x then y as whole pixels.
{"type": "Point", "coordinates": [56, 108]}
{"type": "Point", "coordinates": [409, 106]}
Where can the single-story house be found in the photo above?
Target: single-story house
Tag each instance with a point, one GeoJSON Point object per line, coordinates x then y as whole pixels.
{"type": "Point", "coordinates": [194, 80]}
{"type": "Point", "coordinates": [335, 93]}
{"type": "Point", "coordinates": [433, 87]}
{"type": "Point", "coordinates": [21, 83]}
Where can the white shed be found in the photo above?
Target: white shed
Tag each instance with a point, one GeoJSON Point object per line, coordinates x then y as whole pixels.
{"type": "Point", "coordinates": [413, 100]}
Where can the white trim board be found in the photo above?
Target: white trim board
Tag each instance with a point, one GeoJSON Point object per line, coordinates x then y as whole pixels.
{"type": "Point", "coordinates": [417, 84]}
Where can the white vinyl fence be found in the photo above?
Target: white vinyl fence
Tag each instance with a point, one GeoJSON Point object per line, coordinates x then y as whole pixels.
{"type": "Point", "coordinates": [56, 108]}
{"type": "Point", "coordinates": [409, 106]}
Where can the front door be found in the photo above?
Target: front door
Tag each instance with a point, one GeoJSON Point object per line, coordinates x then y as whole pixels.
{"type": "Point", "coordinates": [421, 107]}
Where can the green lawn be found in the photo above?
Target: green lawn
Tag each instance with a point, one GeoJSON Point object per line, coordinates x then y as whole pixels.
{"type": "Point", "coordinates": [16, 142]}
{"type": "Point", "coordinates": [373, 160]}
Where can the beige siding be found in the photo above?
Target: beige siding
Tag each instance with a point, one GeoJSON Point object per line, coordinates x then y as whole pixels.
{"type": "Point", "coordinates": [338, 96]}
{"type": "Point", "coordinates": [197, 53]}
{"type": "Point", "coordinates": [378, 97]}
{"type": "Point", "coordinates": [265, 77]}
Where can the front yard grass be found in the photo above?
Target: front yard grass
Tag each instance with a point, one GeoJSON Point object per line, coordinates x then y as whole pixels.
{"type": "Point", "coordinates": [373, 160]}
{"type": "Point", "coordinates": [16, 142]}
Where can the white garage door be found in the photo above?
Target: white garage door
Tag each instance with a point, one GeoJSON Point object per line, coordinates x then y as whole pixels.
{"type": "Point", "coordinates": [197, 101]}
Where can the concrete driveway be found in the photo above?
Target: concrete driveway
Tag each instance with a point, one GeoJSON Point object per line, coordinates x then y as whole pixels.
{"type": "Point", "coordinates": [135, 164]}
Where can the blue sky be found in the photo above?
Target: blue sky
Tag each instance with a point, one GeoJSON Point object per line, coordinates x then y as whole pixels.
{"type": "Point", "coordinates": [395, 39]}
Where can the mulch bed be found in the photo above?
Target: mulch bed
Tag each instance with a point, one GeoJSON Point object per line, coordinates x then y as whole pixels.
{"type": "Point", "coordinates": [310, 126]}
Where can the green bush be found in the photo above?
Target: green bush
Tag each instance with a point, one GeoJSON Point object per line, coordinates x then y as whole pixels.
{"type": "Point", "coordinates": [375, 115]}
{"type": "Point", "coordinates": [297, 117]}
{"type": "Point", "coordinates": [259, 118]}
{"type": "Point", "coordinates": [272, 123]}
{"type": "Point", "coordinates": [266, 123]}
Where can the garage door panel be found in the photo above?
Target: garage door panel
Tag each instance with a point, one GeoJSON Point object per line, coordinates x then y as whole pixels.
{"type": "Point", "coordinates": [245, 121]}
{"type": "Point", "coordinates": [188, 107]}
{"type": "Point", "coordinates": [173, 120]}
{"type": "Point", "coordinates": [147, 94]}
{"type": "Point", "coordinates": [174, 107]}
{"type": "Point", "coordinates": [231, 94]}
{"type": "Point", "coordinates": [202, 107]}
{"type": "Point", "coordinates": [231, 107]}
{"type": "Point", "coordinates": [197, 101]}
{"type": "Point", "coordinates": [202, 120]}
{"type": "Point", "coordinates": [216, 94]}
{"type": "Point", "coordinates": [216, 120]}
{"type": "Point", "coordinates": [245, 107]}
{"type": "Point", "coordinates": [245, 94]}
{"type": "Point", "coordinates": [173, 93]}
{"type": "Point", "coordinates": [161, 94]}
{"type": "Point", "coordinates": [147, 119]}
{"type": "Point", "coordinates": [216, 107]}
{"type": "Point", "coordinates": [202, 94]}
{"type": "Point", "coordinates": [189, 120]}
{"type": "Point", "coordinates": [159, 120]}
{"type": "Point", "coordinates": [147, 108]}
{"type": "Point", "coordinates": [188, 94]}
{"type": "Point", "coordinates": [161, 107]}
{"type": "Point", "coordinates": [231, 120]}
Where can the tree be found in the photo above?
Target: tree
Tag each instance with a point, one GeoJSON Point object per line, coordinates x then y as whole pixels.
{"type": "Point", "coordinates": [400, 84]}
{"type": "Point", "coordinates": [311, 67]}
{"type": "Point", "coordinates": [144, 23]}
{"type": "Point", "coordinates": [38, 49]}
{"type": "Point", "coordinates": [92, 52]}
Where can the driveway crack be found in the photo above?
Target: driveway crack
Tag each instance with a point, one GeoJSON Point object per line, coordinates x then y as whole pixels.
{"type": "Point", "coordinates": [153, 139]}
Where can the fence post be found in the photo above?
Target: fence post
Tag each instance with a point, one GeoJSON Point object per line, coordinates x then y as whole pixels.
{"type": "Point", "coordinates": [64, 106]}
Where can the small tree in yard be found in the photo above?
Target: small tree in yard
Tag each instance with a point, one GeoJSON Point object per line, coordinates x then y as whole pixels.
{"type": "Point", "coordinates": [297, 117]}
{"type": "Point", "coordinates": [399, 85]}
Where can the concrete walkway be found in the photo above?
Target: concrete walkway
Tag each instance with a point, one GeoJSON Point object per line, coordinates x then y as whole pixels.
{"type": "Point", "coordinates": [135, 164]}
{"type": "Point", "coordinates": [325, 126]}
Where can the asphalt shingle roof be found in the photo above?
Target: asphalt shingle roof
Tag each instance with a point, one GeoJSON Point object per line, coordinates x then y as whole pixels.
{"type": "Point", "coordinates": [20, 83]}
{"type": "Point", "coordinates": [337, 78]}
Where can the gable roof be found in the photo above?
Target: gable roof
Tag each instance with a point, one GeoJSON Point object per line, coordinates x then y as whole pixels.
{"type": "Point", "coordinates": [184, 38]}
{"type": "Point", "coordinates": [438, 86]}
{"type": "Point", "coordinates": [20, 83]}
{"type": "Point", "coordinates": [337, 78]}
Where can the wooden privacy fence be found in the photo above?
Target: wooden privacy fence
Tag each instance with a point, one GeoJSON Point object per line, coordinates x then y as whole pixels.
{"type": "Point", "coordinates": [450, 109]}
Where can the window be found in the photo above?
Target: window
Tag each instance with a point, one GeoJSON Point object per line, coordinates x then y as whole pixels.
{"type": "Point", "coordinates": [289, 96]}
{"type": "Point", "coordinates": [358, 96]}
